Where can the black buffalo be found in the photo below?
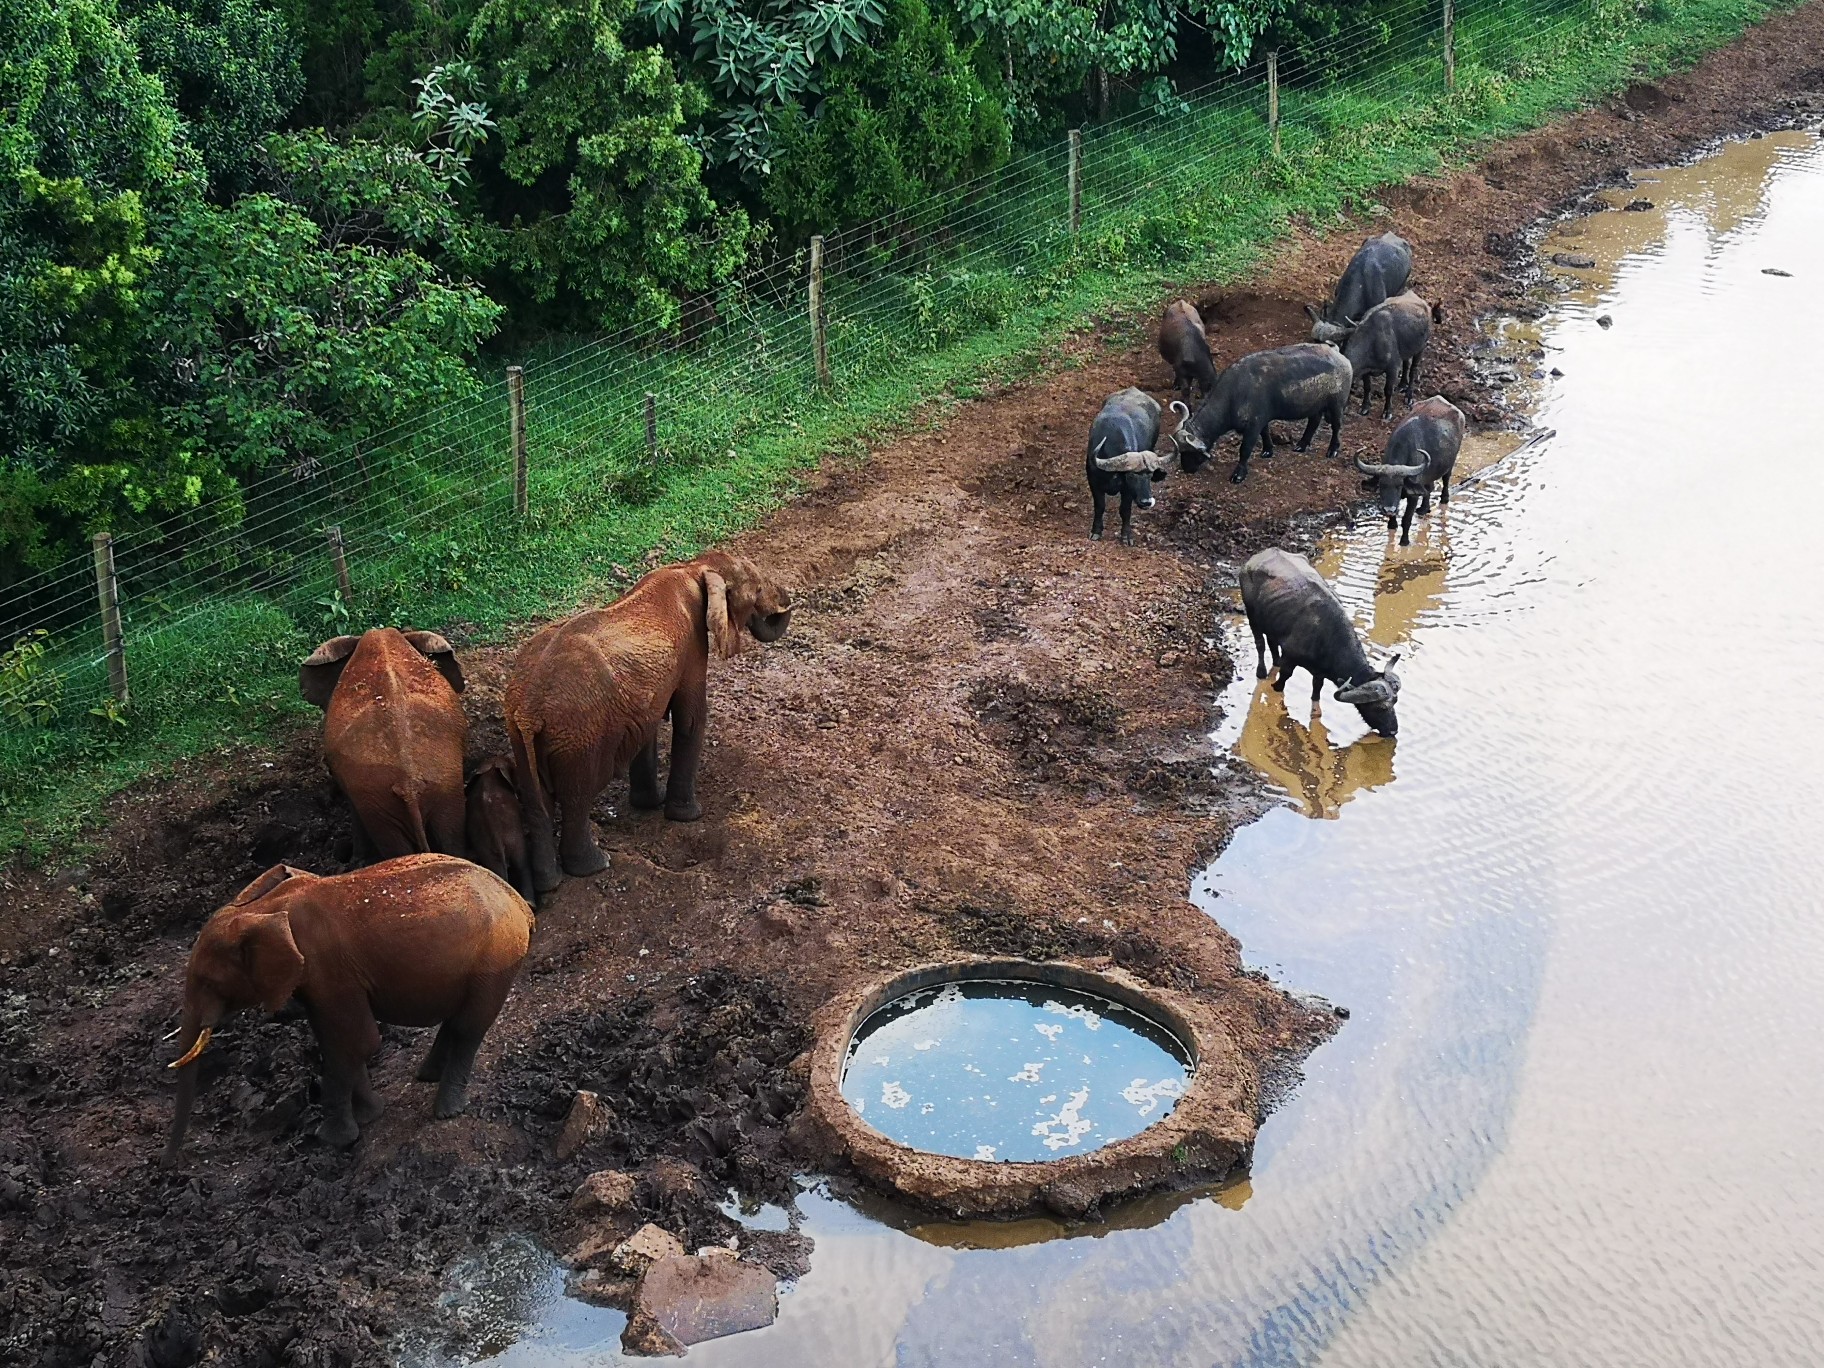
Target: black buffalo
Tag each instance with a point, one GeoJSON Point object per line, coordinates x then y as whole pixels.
{"type": "Point", "coordinates": [1292, 610]}
{"type": "Point", "coordinates": [1379, 270]}
{"type": "Point", "coordinates": [1421, 452]}
{"type": "Point", "coordinates": [1307, 380]}
{"type": "Point", "coordinates": [1187, 350]}
{"type": "Point", "coordinates": [1390, 342]}
{"type": "Point", "coordinates": [1120, 458]}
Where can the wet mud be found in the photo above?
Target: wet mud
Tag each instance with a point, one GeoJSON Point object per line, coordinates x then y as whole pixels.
{"type": "Point", "coordinates": [985, 734]}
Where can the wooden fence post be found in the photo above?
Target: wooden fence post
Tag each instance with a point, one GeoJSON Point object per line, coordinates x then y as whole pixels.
{"type": "Point", "coordinates": [820, 342]}
{"type": "Point", "coordinates": [1075, 173]}
{"type": "Point", "coordinates": [652, 429]}
{"type": "Point", "coordinates": [1273, 97]}
{"type": "Point", "coordinates": [338, 556]}
{"type": "Point", "coordinates": [1450, 45]}
{"type": "Point", "coordinates": [107, 588]}
{"type": "Point", "coordinates": [516, 429]}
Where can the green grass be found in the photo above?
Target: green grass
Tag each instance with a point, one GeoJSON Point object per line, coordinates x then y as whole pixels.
{"type": "Point", "coordinates": [972, 290]}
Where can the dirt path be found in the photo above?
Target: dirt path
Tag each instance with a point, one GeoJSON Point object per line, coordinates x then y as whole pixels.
{"type": "Point", "coordinates": [984, 733]}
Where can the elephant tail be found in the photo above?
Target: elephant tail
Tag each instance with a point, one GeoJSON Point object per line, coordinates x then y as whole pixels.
{"type": "Point", "coordinates": [525, 761]}
{"type": "Point", "coordinates": [411, 797]}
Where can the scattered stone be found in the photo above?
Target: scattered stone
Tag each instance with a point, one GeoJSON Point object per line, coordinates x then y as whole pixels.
{"type": "Point", "coordinates": [685, 1300]}
{"type": "Point", "coordinates": [1557, 374]}
{"type": "Point", "coordinates": [1639, 206]}
{"type": "Point", "coordinates": [1574, 260]}
{"type": "Point", "coordinates": [1341, 1012]}
{"type": "Point", "coordinates": [1605, 321]}
{"type": "Point", "coordinates": [589, 1117]}
{"type": "Point", "coordinates": [1775, 271]}
{"type": "Point", "coordinates": [646, 1247]}
{"type": "Point", "coordinates": [607, 1191]}
{"type": "Point", "coordinates": [600, 1289]}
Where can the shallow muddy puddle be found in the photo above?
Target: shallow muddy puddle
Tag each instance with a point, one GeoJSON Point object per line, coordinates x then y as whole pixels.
{"type": "Point", "coordinates": [1575, 910]}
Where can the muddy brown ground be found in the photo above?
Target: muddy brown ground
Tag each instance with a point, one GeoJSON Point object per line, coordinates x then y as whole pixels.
{"type": "Point", "coordinates": [984, 733]}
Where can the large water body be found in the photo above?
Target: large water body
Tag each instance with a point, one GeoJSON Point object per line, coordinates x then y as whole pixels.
{"type": "Point", "coordinates": [1577, 911]}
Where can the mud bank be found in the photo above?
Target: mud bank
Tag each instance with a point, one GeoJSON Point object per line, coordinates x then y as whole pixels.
{"type": "Point", "coordinates": [985, 734]}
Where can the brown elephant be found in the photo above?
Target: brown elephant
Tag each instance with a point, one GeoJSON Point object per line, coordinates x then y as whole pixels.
{"type": "Point", "coordinates": [587, 696]}
{"type": "Point", "coordinates": [393, 734]}
{"type": "Point", "coordinates": [426, 940]}
{"type": "Point", "coordinates": [496, 830]}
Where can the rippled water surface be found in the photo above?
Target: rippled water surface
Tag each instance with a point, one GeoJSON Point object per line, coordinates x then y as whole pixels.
{"type": "Point", "coordinates": [1577, 911]}
{"type": "Point", "coordinates": [1011, 1071]}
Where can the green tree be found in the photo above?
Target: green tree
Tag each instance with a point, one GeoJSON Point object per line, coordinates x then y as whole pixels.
{"type": "Point", "coordinates": [899, 119]}
{"type": "Point", "coordinates": [609, 219]}
{"type": "Point", "coordinates": [232, 68]}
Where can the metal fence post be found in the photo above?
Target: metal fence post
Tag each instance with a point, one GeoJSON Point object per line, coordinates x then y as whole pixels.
{"type": "Point", "coordinates": [652, 429]}
{"type": "Point", "coordinates": [1450, 45]}
{"type": "Point", "coordinates": [1075, 173]}
{"type": "Point", "coordinates": [1273, 97]}
{"type": "Point", "coordinates": [516, 429]}
{"type": "Point", "coordinates": [107, 588]}
{"type": "Point", "coordinates": [820, 342]}
{"type": "Point", "coordinates": [338, 557]}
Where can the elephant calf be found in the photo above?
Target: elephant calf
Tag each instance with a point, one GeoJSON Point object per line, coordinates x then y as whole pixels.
{"type": "Point", "coordinates": [587, 696]}
{"type": "Point", "coordinates": [426, 940]}
{"type": "Point", "coordinates": [393, 736]}
{"type": "Point", "coordinates": [497, 834]}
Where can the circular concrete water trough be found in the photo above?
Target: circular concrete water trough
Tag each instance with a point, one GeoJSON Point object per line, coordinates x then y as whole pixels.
{"type": "Point", "coordinates": [1206, 1136]}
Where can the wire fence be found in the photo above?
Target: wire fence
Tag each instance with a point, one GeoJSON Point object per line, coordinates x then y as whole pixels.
{"type": "Point", "coordinates": [425, 516]}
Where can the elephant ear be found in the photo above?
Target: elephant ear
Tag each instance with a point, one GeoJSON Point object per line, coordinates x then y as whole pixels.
{"type": "Point", "coordinates": [441, 654]}
{"type": "Point", "coordinates": [317, 676]}
{"type": "Point", "coordinates": [724, 640]}
{"type": "Point", "coordinates": [268, 881]}
{"type": "Point", "coordinates": [273, 963]}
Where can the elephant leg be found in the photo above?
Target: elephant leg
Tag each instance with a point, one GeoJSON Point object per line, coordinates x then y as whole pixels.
{"type": "Point", "coordinates": [643, 777]}
{"type": "Point", "coordinates": [463, 1033]}
{"type": "Point", "coordinates": [367, 1106]}
{"type": "Point", "coordinates": [447, 827]}
{"type": "Point", "coordinates": [431, 1071]}
{"type": "Point", "coordinates": [580, 854]}
{"type": "Point", "coordinates": [348, 1036]}
{"type": "Point", "coordinates": [535, 815]}
{"type": "Point", "coordinates": [689, 716]}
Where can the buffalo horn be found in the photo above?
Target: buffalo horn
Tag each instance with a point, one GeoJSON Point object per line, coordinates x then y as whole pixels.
{"type": "Point", "coordinates": [1128, 463]}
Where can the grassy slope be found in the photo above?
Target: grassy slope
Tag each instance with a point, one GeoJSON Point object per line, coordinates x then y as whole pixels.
{"type": "Point", "coordinates": [1198, 198]}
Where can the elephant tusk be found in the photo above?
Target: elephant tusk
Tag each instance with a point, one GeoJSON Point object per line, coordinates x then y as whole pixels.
{"type": "Point", "coordinates": [202, 1042]}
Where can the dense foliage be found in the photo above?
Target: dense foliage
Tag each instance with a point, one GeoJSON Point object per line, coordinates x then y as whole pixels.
{"type": "Point", "coordinates": [237, 236]}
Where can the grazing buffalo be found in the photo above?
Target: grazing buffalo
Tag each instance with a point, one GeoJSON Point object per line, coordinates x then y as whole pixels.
{"type": "Point", "coordinates": [1421, 452]}
{"type": "Point", "coordinates": [1379, 270]}
{"type": "Point", "coordinates": [1121, 460]}
{"type": "Point", "coordinates": [1187, 351]}
{"type": "Point", "coordinates": [1292, 610]}
{"type": "Point", "coordinates": [1390, 342]}
{"type": "Point", "coordinates": [1307, 380]}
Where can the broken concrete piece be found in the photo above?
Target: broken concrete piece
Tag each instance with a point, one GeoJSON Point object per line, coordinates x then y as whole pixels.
{"type": "Point", "coordinates": [695, 1299]}
{"type": "Point", "coordinates": [646, 1247]}
{"type": "Point", "coordinates": [589, 1117]}
{"type": "Point", "coordinates": [607, 1190]}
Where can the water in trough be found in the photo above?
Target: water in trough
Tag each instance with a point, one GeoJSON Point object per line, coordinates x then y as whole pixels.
{"type": "Point", "coordinates": [1575, 911]}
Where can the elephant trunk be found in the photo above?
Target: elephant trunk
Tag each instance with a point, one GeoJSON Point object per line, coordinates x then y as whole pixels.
{"type": "Point", "coordinates": [193, 1037]}
{"type": "Point", "coordinates": [769, 627]}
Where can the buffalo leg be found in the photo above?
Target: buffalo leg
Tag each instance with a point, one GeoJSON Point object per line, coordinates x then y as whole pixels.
{"type": "Point", "coordinates": [1260, 648]}
{"type": "Point", "coordinates": [1336, 429]}
{"type": "Point", "coordinates": [1127, 516]}
{"type": "Point", "coordinates": [1266, 441]}
{"type": "Point", "coordinates": [1412, 502]}
{"type": "Point", "coordinates": [1248, 438]}
{"type": "Point", "coordinates": [1367, 388]}
{"type": "Point", "coordinates": [1101, 502]}
{"type": "Point", "coordinates": [689, 714]}
{"type": "Point", "coordinates": [1286, 666]}
{"type": "Point", "coordinates": [643, 776]}
{"type": "Point", "coordinates": [1444, 490]}
{"type": "Point", "coordinates": [1311, 425]}
{"type": "Point", "coordinates": [1387, 388]}
{"type": "Point", "coordinates": [1317, 687]}
{"type": "Point", "coordinates": [576, 795]}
